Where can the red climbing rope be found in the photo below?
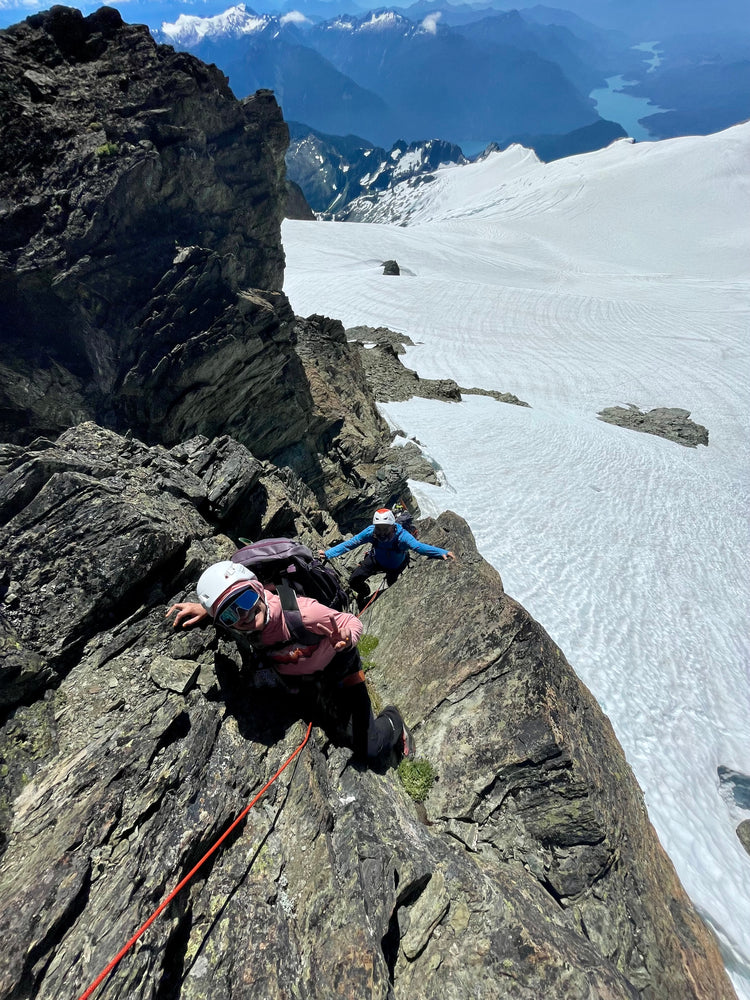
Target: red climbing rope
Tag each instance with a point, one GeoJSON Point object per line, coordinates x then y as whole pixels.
{"type": "Point", "coordinates": [374, 596]}
{"type": "Point", "coordinates": [123, 951]}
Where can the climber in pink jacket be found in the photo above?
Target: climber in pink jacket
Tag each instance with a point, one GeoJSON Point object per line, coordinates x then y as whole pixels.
{"type": "Point", "coordinates": [314, 642]}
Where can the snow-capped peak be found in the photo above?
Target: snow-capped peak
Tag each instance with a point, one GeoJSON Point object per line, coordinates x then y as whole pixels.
{"type": "Point", "coordinates": [379, 20]}
{"type": "Point", "coordinates": [189, 29]}
{"type": "Point", "coordinates": [383, 19]}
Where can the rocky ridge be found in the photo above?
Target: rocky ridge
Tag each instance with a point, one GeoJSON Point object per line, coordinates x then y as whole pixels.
{"type": "Point", "coordinates": [126, 747]}
{"type": "Point", "coordinates": [334, 170]}
{"type": "Point", "coordinates": [140, 213]}
{"type": "Point", "coordinates": [531, 869]}
{"type": "Point", "coordinates": [344, 176]}
{"type": "Point", "coordinates": [392, 381]}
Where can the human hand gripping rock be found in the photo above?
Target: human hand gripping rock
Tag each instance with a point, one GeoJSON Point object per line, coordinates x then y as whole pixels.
{"type": "Point", "coordinates": [186, 613]}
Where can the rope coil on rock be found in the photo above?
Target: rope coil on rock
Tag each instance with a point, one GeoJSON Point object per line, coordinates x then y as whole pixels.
{"type": "Point", "coordinates": [126, 948]}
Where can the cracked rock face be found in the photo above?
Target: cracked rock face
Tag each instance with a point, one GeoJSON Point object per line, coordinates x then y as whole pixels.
{"type": "Point", "coordinates": [128, 748]}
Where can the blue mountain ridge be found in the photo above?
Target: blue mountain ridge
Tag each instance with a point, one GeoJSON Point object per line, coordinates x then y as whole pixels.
{"type": "Point", "coordinates": [387, 77]}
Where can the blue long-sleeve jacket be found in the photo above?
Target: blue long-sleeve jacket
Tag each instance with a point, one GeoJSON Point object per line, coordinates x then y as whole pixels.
{"type": "Point", "coordinates": [390, 552]}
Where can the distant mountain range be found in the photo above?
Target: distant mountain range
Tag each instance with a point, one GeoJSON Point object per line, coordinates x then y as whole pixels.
{"type": "Point", "coordinates": [335, 171]}
{"type": "Point", "coordinates": [387, 77]}
{"type": "Point", "coordinates": [470, 75]}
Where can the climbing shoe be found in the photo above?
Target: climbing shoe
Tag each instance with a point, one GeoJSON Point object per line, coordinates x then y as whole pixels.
{"type": "Point", "coordinates": [362, 600]}
{"type": "Point", "coordinates": [407, 742]}
{"type": "Point", "coordinates": [403, 743]}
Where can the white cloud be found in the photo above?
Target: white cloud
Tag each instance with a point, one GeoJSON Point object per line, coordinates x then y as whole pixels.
{"type": "Point", "coordinates": [430, 22]}
{"type": "Point", "coordinates": [294, 17]}
{"type": "Point", "coordinates": [22, 5]}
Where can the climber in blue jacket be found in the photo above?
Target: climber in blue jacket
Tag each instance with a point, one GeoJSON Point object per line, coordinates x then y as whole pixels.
{"type": "Point", "coordinates": [389, 553]}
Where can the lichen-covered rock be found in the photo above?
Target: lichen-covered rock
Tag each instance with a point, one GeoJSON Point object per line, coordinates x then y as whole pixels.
{"type": "Point", "coordinates": [532, 779]}
{"type": "Point", "coordinates": [531, 870]}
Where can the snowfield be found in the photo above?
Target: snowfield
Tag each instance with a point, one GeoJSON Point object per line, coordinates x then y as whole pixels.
{"type": "Point", "coordinates": [620, 276]}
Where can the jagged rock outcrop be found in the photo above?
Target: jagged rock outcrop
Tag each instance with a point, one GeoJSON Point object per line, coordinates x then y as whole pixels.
{"type": "Point", "coordinates": [669, 422]}
{"type": "Point", "coordinates": [141, 215]}
{"type": "Point", "coordinates": [379, 335]}
{"type": "Point", "coordinates": [333, 170]}
{"type": "Point", "coordinates": [141, 211]}
{"type": "Point", "coordinates": [140, 255]}
{"type": "Point", "coordinates": [390, 380]}
{"type": "Point", "coordinates": [530, 871]}
{"type": "Point", "coordinates": [353, 463]}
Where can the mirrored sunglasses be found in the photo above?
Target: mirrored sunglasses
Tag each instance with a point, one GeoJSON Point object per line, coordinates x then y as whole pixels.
{"type": "Point", "coordinates": [239, 608]}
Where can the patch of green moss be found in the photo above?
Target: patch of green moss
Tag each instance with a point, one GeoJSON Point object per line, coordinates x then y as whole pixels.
{"type": "Point", "coordinates": [417, 777]}
{"type": "Point", "coordinates": [367, 646]}
{"type": "Point", "coordinates": [108, 149]}
{"type": "Point", "coordinates": [375, 700]}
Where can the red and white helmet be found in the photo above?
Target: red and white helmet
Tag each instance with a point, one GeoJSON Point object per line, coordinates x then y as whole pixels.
{"type": "Point", "coordinates": [383, 516]}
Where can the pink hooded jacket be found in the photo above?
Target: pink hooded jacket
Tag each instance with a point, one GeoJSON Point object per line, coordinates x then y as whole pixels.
{"type": "Point", "coordinates": [317, 618]}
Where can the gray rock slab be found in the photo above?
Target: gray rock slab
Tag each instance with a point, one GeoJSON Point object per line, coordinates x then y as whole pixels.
{"type": "Point", "coordinates": [669, 422]}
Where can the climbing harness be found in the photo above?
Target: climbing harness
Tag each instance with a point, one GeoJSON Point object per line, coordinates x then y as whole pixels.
{"type": "Point", "coordinates": [126, 948]}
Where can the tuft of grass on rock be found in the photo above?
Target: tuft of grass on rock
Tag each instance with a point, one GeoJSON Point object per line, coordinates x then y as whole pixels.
{"type": "Point", "coordinates": [417, 777]}
{"type": "Point", "coordinates": [366, 646]}
{"type": "Point", "coordinates": [108, 149]}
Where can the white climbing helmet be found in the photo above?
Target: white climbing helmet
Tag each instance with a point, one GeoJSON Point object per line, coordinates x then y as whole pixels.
{"type": "Point", "coordinates": [219, 578]}
{"type": "Point", "coordinates": [383, 516]}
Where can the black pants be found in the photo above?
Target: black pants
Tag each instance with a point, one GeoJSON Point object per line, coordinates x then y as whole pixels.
{"type": "Point", "coordinates": [369, 567]}
{"type": "Point", "coordinates": [371, 737]}
{"type": "Point", "coordinates": [342, 693]}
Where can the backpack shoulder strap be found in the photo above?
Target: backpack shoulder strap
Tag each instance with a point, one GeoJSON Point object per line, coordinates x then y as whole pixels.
{"type": "Point", "coordinates": [287, 595]}
{"type": "Point", "coordinates": [298, 632]}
